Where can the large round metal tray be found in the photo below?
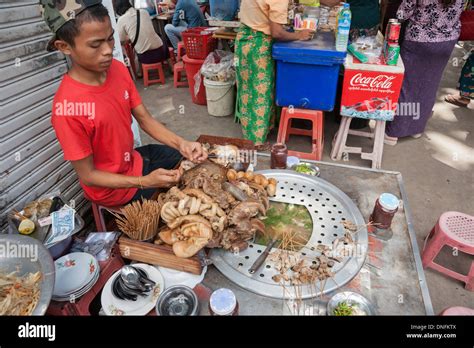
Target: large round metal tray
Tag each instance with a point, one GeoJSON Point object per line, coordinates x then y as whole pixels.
{"type": "Point", "coordinates": [329, 207]}
{"type": "Point", "coordinates": [25, 254]}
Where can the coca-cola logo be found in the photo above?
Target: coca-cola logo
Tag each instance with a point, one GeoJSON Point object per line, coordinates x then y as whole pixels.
{"type": "Point", "coordinates": [380, 81]}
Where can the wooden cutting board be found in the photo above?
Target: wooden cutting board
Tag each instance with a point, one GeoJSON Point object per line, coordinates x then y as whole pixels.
{"type": "Point", "coordinates": [160, 255]}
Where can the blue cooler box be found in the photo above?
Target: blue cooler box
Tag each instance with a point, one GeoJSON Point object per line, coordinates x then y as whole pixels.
{"type": "Point", "coordinates": [307, 72]}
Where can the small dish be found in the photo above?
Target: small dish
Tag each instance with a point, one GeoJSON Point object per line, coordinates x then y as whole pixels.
{"type": "Point", "coordinates": [306, 169]}
{"type": "Point", "coordinates": [177, 300]}
{"type": "Point", "coordinates": [359, 303]}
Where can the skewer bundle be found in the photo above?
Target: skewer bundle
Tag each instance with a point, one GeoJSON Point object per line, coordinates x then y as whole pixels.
{"type": "Point", "coordinates": [139, 220]}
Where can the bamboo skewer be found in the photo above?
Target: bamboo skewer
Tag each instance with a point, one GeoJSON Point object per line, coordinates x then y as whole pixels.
{"type": "Point", "coordinates": [139, 220]}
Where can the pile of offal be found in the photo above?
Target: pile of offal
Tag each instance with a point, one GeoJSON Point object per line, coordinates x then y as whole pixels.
{"type": "Point", "coordinates": [214, 206]}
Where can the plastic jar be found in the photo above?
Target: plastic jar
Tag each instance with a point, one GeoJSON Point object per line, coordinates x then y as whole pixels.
{"type": "Point", "coordinates": [279, 156]}
{"type": "Point", "coordinates": [223, 303]}
{"type": "Point", "coordinates": [385, 208]}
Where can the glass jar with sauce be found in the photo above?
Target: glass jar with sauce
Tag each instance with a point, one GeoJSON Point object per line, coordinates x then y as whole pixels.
{"type": "Point", "coordinates": [223, 303]}
{"type": "Point", "coordinates": [385, 208]}
{"type": "Point", "coordinates": [279, 155]}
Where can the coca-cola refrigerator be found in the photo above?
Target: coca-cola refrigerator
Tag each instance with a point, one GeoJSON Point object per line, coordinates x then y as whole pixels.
{"type": "Point", "coordinates": [371, 91]}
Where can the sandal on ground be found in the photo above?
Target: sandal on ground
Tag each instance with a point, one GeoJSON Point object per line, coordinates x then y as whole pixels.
{"type": "Point", "coordinates": [455, 100]}
{"type": "Point", "coordinates": [392, 141]}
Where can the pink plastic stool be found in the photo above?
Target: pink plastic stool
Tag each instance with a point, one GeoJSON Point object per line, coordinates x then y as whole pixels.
{"type": "Point", "coordinates": [457, 231]}
{"type": "Point", "coordinates": [457, 311]}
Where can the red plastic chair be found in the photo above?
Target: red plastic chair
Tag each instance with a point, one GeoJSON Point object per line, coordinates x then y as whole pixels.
{"type": "Point", "coordinates": [316, 134]}
{"type": "Point", "coordinates": [457, 231]}
{"type": "Point", "coordinates": [99, 217]}
{"type": "Point", "coordinates": [147, 68]}
{"type": "Point", "coordinates": [130, 53]}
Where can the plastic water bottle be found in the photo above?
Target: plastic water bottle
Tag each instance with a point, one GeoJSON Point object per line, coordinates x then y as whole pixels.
{"type": "Point", "coordinates": [343, 28]}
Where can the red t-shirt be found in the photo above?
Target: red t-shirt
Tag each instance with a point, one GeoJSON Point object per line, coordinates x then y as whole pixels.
{"type": "Point", "coordinates": [97, 120]}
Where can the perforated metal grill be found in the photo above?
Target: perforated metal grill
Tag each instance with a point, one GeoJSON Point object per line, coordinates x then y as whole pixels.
{"type": "Point", "coordinates": [328, 207]}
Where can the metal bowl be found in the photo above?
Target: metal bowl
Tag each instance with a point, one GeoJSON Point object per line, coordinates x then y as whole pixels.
{"type": "Point", "coordinates": [178, 300]}
{"type": "Point", "coordinates": [351, 298]}
{"type": "Point", "coordinates": [26, 254]}
{"type": "Point", "coordinates": [315, 169]}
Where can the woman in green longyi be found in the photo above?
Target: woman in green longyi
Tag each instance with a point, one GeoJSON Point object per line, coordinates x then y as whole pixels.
{"type": "Point", "coordinates": [262, 23]}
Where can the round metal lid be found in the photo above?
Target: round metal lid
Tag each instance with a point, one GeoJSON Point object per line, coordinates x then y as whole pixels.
{"type": "Point", "coordinates": [329, 207]}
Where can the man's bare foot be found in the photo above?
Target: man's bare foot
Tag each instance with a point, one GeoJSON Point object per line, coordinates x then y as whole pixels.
{"type": "Point", "coordinates": [457, 100]}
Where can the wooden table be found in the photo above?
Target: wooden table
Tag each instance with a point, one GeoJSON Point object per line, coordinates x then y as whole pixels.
{"type": "Point", "coordinates": [224, 35]}
{"type": "Point", "coordinates": [159, 22]}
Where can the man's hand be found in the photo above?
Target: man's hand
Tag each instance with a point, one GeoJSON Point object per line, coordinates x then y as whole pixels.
{"type": "Point", "coordinates": [162, 178]}
{"type": "Point", "coordinates": [193, 151]}
{"type": "Point", "coordinates": [305, 35]}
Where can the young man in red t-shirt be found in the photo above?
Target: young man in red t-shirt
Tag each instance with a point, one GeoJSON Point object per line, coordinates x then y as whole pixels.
{"type": "Point", "coordinates": [92, 112]}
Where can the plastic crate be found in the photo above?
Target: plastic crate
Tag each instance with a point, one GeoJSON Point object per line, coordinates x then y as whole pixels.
{"type": "Point", "coordinates": [198, 42]}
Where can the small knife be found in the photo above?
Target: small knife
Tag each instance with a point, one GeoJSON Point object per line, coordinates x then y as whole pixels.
{"type": "Point", "coordinates": [261, 259]}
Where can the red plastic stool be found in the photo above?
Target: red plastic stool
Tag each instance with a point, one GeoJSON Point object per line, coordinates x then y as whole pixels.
{"type": "Point", "coordinates": [99, 218]}
{"type": "Point", "coordinates": [179, 72]}
{"type": "Point", "coordinates": [456, 230]}
{"type": "Point", "coordinates": [81, 306]}
{"type": "Point", "coordinates": [147, 68]}
{"type": "Point", "coordinates": [316, 133]}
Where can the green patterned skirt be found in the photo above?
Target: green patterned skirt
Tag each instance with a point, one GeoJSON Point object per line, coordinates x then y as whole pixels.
{"type": "Point", "coordinates": [255, 83]}
{"type": "Point", "coordinates": [466, 81]}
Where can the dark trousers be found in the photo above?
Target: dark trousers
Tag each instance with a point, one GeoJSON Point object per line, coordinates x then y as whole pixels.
{"type": "Point", "coordinates": [154, 56]}
{"type": "Point", "coordinates": [154, 157]}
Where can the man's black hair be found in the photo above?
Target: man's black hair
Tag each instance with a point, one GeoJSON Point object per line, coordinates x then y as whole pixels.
{"type": "Point", "coordinates": [122, 6]}
{"type": "Point", "coordinates": [71, 29]}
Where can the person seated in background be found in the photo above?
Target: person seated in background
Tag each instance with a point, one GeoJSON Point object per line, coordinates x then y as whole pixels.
{"type": "Point", "coordinates": [187, 15]}
{"type": "Point", "coordinates": [148, 45]}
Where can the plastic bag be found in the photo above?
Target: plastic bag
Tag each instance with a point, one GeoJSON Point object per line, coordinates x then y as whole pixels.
{"type": "Point", "coordinates": [218, 66]}
{"type": "Point", "coordinates": [370, 47]}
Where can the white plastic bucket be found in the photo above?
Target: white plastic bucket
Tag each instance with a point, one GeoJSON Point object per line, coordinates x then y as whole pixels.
{"type": "Point", "coordinates": [220, 97]}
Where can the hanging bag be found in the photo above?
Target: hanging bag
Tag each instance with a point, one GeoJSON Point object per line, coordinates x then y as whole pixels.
{"type": "Point", "coordinates": [138, 30]}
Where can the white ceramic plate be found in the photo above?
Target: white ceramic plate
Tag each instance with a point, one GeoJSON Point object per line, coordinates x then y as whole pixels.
{"type": "Point", "coordinates": [143, 305]}
{"type": "Point", "coordinates": [174, 277]}
{"type": "Point", "coordinates": [73, 272]}
{"type": "Point", "coordinates": [79, 292]}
